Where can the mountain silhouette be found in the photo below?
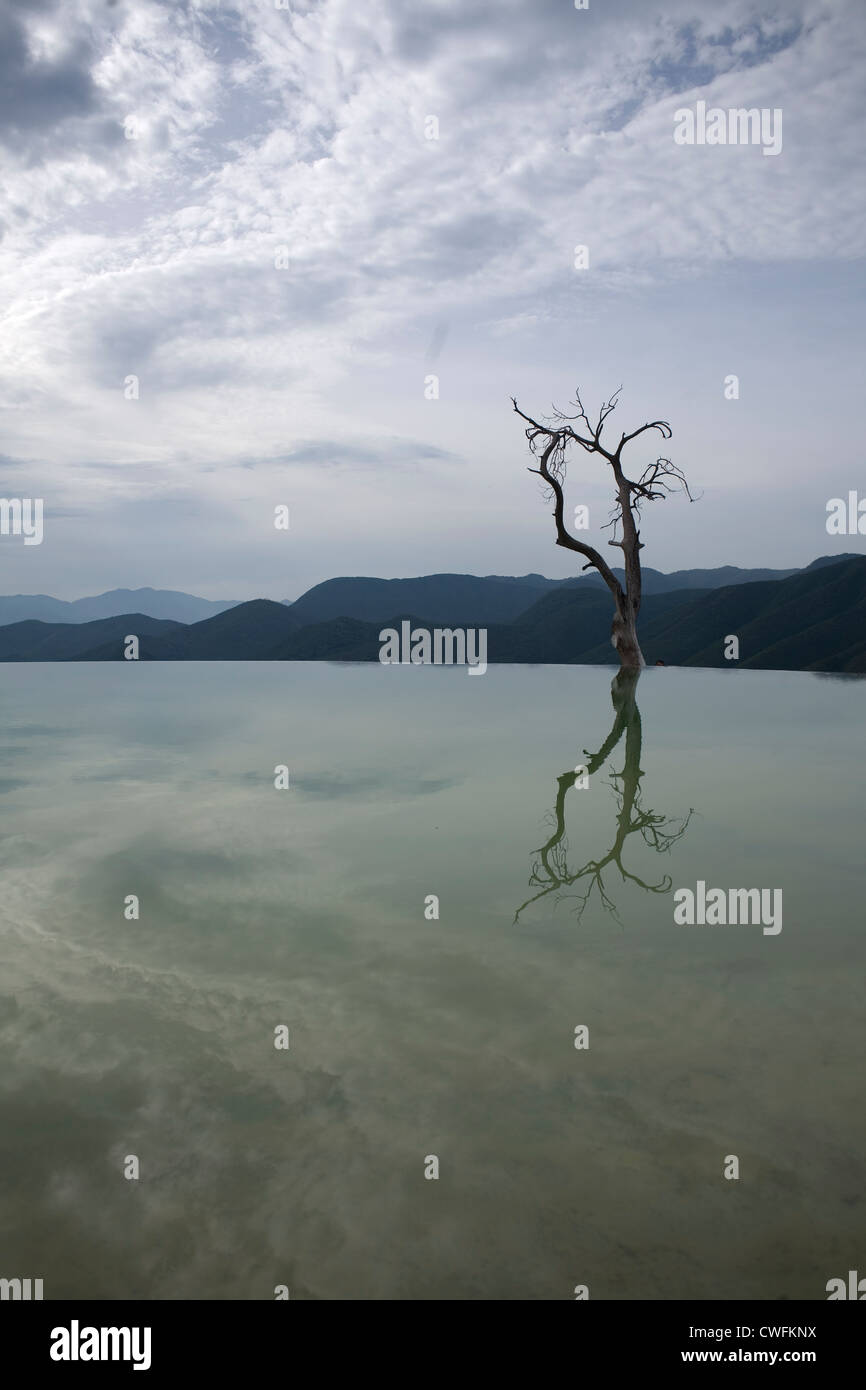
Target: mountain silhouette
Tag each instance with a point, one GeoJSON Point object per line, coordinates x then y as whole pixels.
{"type": "Point", "coordinates": [485, 599]}
{"type": "Point", "coordinates": [815, 619]}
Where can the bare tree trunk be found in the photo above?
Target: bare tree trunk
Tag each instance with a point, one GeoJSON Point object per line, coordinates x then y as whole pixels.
{"type": "Point", "coordinates": [548, 442]}
{"type": "Point", "coordinates": [623, 634]}
{"type": "Point", "coordinates": [624, 628]}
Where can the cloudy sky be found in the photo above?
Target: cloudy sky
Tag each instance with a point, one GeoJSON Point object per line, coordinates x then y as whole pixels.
{"type": "Point", "coordinates": [242, 207]}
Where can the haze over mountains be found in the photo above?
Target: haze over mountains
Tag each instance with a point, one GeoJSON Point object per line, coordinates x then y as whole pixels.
{"type": "Point", "coordinates": [811, 619]}
{"type": "Point", "coordinates": [488, 599]}
{"type": "Point", "coordinates": [156, 603]}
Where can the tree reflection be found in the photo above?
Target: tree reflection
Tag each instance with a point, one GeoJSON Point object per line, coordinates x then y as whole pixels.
{"type": "Point", "coordinates": [550, 871]}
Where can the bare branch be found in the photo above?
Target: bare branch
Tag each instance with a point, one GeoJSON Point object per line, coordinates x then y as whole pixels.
{"type": "Point", "coordinates": [606, 410]}
{"type": "Point", "coordinates": [659, 479]}
{"type": "Point", "coordinates": [662, 426]}
{"type": "Point", "coordinates": [551, 443]}
{"type": "Point", "coordinates": [549, 440]}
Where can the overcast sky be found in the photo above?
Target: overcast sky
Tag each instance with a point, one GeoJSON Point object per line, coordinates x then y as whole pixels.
{"type": "Point", "coordinates": [161, 160]}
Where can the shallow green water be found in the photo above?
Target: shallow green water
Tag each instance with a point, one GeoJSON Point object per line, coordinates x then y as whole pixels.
{"type": "Point", "coordinates": [412, 1037]}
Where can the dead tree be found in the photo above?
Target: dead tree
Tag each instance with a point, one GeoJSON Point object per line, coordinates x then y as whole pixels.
{"type": "Point", "coordinates": [549, 441]}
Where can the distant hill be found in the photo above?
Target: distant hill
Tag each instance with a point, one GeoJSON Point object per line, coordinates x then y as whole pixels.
{"type": "Point", "coordinates": [815, 619]}
{"type": "Point", "coordinates": [556, 630]}
{"type": "Point", "coordinates": [153, 603]}
{"type": "Point", "coordinates": [492, 598]}
{"type": "Point", "coordinates": [812, 620]}
{"type": "Point", "coordinates": [564, 626]}
{"type": "Point", "coordinates": [477, 600]}
{"type": "Point", "coordinates": [37, 641]}
{"type": "Point", "coordinates": [247, 632]}
{"type": "Point", "coordinates": [655, 582]}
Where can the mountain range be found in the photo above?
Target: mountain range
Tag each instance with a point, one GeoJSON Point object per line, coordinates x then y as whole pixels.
{"type": "Point", "coordinates": [156, 603]}
{"type": "Point", "coordinates": [489, 599]}
{"type": "Point", "coordinates": [809, 619]}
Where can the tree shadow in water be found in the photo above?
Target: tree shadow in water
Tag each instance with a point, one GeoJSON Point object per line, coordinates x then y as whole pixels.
{"type": "Point", "coordinates": [550, 872]}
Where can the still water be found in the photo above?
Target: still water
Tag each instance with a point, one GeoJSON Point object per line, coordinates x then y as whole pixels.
{"type": "Point", "coordinates": [410, 1036]}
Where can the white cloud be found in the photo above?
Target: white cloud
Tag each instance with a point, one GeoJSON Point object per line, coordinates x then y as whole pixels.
{"type": "Point", "coordinates": [257, 128]}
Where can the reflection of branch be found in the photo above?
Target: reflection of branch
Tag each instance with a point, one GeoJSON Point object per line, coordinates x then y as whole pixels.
{"type": "Point", "coordinates": [550, 870]}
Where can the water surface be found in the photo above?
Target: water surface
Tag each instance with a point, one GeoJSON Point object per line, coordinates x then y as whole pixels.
{"type": "Point", "coordinates": [412, 1037]}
